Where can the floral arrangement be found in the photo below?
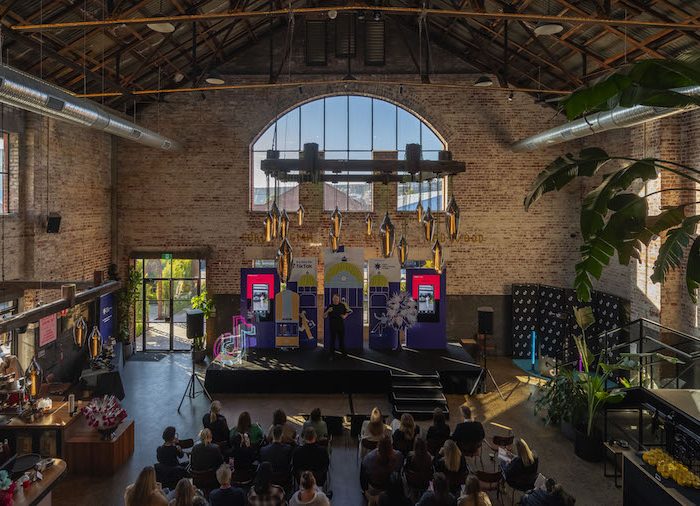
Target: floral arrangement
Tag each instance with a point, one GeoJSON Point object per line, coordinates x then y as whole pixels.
{"type": "Point", "coordinates": [104, 413]}
{"type": "Point", "coordinates": [401, 311]}
{"type": "Point", "coordinates": [7, 489]}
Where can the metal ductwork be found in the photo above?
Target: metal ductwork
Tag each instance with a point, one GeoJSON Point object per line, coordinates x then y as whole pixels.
{"type": "Point", "coordinates": [619, 117]}
{"type": "Point", "coordinates": [25, 91]}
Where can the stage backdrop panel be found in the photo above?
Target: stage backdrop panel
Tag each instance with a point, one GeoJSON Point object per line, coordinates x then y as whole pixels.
{"type": "Point", "coordinates": [258, 289]}
{"type": "Point", "coordinates": [344, 275]}
{"type": "Point", "coordinates": [384, 281]}
{"type": "Point", "coordinates": [525, 299]}
{"type": "Point", "coordinates": [303, 281]}
{"type": "Point", "coordinates": [429, 290]}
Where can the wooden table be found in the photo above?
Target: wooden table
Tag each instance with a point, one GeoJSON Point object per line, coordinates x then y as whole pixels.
{"type": "Point", "coordinates": [87, 453]}
{"type": "Point", "coordinates": [39, 493]}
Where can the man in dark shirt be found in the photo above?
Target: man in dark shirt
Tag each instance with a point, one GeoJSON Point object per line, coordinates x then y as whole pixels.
{"type": "Point", "coordinates": [278, 454]}
{"type": "Point", "coordinates": [336, 313]}
{"type": "Point", "coordinates": [468, 434]}
{"type": "Point", "coordinates": [226, 495]}
{"type": "Point", "coordinates": [311, 457]}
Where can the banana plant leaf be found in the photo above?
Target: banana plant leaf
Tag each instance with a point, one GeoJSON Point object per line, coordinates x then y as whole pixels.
{"type": "Point", "coordinates": [584, 319]}
{"type": "Point", "coordinates": [672, 250]}
{"type": "Point", "coordinates": [692, 271]}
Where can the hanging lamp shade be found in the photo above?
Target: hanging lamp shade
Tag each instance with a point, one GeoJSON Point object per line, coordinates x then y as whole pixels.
{"type": "Point", "coordinates": [452, 219]}
{"type": "Point", "coordinates": [419, 212]}
{"type": "Point", "coordinates": [275, 213]}
{"type": "Point", "coordinates": [267, 224]}
{"type": "Point", "coordinates": [32, 379]}
{"type": "Point", "coordinates": [285, 258]}
{"type": "Point", "coordinates": [429, 225]}
{"type": "Point", "coordinates": [387, 234]}
{"type": "Point", "coordinates": [80, 332]}
{"type": "Point", "coordinates": [438, 258]}
{"type": "Point", "coordinates": [369, 221]}
{"type": "Point", "coordinates": [95, 342]}
{"type": "Point", "coordinates": [300, 215]}
{"type": "Point", "coordinates": [334, 241]}
{"type": "Point", "coordinates": [336, 222]}
{"type": "Point", "coordinates": [284, 224]}
{"type": "Point", "coordinates": [402, 251]}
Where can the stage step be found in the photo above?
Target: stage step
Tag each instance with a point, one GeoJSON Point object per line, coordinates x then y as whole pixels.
{"type": "Point", "coordinates": [419, 410]}
{"type": "Point", "coordinates": [417, 394]}
{"type": "Point", "coordinates": [420, 395]}
{"type": "Point", "coordinates": [415, 382]}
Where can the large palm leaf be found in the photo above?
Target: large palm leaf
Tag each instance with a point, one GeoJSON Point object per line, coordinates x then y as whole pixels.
{"type": "Point", "coordinates": [672, 249]}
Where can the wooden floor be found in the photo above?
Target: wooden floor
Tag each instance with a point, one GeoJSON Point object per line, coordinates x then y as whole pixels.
{"type": "Point", "coordinates": [153, 391]}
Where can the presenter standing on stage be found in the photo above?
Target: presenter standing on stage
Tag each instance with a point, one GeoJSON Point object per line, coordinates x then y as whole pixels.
{"type": "Point", "coordinates": [337, 312]}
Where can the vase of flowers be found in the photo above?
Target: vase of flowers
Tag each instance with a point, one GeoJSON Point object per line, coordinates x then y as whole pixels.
{"type": "Point", "coordinates": [7, 489]}
{"type": "Point", "coordinates": [104, 414]}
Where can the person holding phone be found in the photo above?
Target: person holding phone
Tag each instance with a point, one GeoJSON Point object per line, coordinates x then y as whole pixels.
{"type": "Point", "coordinates": [337, 312]}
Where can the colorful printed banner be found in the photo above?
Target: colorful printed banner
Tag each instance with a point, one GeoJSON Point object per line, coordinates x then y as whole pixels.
{"type": "Point", "coordinates": [383, 271]}
{"type": "Point", "coordinates": [344, 269]}
{"type": "Point", "coordinates": [304, 272]}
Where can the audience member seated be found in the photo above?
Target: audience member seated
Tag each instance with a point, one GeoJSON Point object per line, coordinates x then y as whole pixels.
{"type": "Point", "coordinates": [169, 470]}
{"type": "Point", "coordinates": [216, 423]}
{"type": "Point", "coordinates": [418, 469]}
{"type": "Point", "coordinates": [246, 426]}
{"type": "Point", "coordinates": [278, 454]}
{"type": "Point", "coordinates": [308, 494]}
{"type": "Point", "coordinates": [145, 491]}
{"type": "Point", "coordinates": [468, 434]}
{"type": "Point", "coordinates": [473, 496]}
{"type": "Point", "coordinates": [377, 467]}
{"type": "Point", "coordinates": [405, 434]}
{"type": "Point", "coordinates": [317, 423]}
{"type": "Point", "coordinates": [453, 465]}
{"type": "Point", "coordinates": [438, 432]}
{"type": "Point", "coordinates": [372, 430]}
{"type": "Point", "coordinates": [311, 457]}
{"type": "Point", "coordinates": [226, 495]}
{"type": "Point", "coordinates": [263, 492]}
{"type": "Point", "coordinates": [186, 494]}
{"type": "Point", "coordinates": [289, 433]}
{"type": "Point", "coordinates": [439, 495]}
{"type": "Point", "coordinates": [394, 495]}
{"type": "Point", "coordinates": [244, 455]}
{"type": "Point", "coordinates": [205, 454]}
{"type": "Point", "coordinates": [521, 472]}
{"type": "Point", "coordinates": [551, 495]}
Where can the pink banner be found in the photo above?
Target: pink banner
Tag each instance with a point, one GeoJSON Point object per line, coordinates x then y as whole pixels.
{"type": "Point", "coordinates": [48, 330]}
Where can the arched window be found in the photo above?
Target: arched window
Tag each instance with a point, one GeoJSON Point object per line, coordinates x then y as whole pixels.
{"type": "Point", "coordinates": [350, 127]}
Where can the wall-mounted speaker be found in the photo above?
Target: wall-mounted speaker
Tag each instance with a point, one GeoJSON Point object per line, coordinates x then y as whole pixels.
{"type": "Point", "coordinates": [53, 223]}
{"type": "Point", "coordinates": [195, 323]}
{"type": "Point", "coordinates": [485, 320]}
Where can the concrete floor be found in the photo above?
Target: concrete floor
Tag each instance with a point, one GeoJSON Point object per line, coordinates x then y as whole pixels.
{"type": "Point", "coordinates": [154, 390]}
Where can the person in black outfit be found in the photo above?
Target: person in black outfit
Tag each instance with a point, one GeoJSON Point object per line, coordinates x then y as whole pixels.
{"type": "Point", "coordinates": [438, 432]}
{"type": "Point", "coordinates": [278, 454]}
{"type": "Point", "coordinates": [168, 469]}
{"type": "Point", "coordinates": [394, 494]}
{"type": "Point", "coordinates": [551, 495]}
{"type": "Point", "coordinates": [521, 472]}
{"type": "Point", "coordinates": [468, 434]}
{"type": "Point", "coordinates": [216, 423]}
{"type": "Point", "coordinates": [205, 454]}
{"type": "Point", "coordinates": [337, 312]}
{"type": "Point", "coordinates": [311, 457]}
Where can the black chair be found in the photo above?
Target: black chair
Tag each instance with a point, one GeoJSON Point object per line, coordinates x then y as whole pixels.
{"type": "Point", "coordinates": [168, 476]}
{"type": "Point", "coordinates": [334, 424]}
{"type": "Point", "coordinates": [205, 480]}
{"type": "Point", "coordinates": [284, 480]}
{"type": "Point", "coordinates": [365, 446]}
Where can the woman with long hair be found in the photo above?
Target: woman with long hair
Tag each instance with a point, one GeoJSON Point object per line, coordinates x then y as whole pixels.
{"type": "Point", "coordinates": [440, 495]}
{"type": "Point", "coordinates": [405, 434]}
{"type": "Point", "coordinates": [521, 472]}
{"type": "Point", "coordinates": [216, 423]}
{"type": "Point", "coordinates": [308, 494]}
{"type": "Point", "coordinates": [184, 493]}
{"type": "Point", "coordinates": [245, 425]}
{"type": "Point", "coordinates": [473, 496]}
{"type": "Point", "coordinates": [453, 465]}
{"type": "Point", "coordinates": [438, 432]}
{"type": "Point", "coordinates": [263, 492]}
{"type": "Point", "coordinates": [289, 433]}
{"type": "Point", "coordinates": [145, 491]}
{"type": "Point", "coordinates": [377, 467]}
{"type": "Point", "coordinates": [418, 469]}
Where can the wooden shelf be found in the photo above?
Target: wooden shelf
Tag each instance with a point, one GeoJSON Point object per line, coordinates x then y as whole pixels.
{"type": "Point", "coordinates": [87, 453]}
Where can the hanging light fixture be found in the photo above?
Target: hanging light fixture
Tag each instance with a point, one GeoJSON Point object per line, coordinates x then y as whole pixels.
{"type": "Point", "coordinates": [438, 257]}
{"type": "Point", "coordinates": [79, 332]}
{"type": "Point", "coordinates": [95, 343]}
{"type": "Point", "coordinates": [369, 221]}
{"type": "Point", "coordinates": [214, 77]}
{"type": "Point", "coordinates": [419, 207]}
{"type": "Point", "coordinates": [547, 27]}
{"type": "Point", "coordinates": [275, 214]}
{"type": "Point", "coordinates": [483, 82]}
{"type": "Point", "coordinates": [402, 251]}
{"type": "Point", "coordinates": [336, 222]}
{"type": "Point", "coordinates": [300, 215]}
{"type": "Point", "coordinates": [267, 224]}
{"type": "Point", "coordinates": [334, 241]}
{"type": "Point", "coordinates": [284, 224]}
{"type": "Point", "coordinates": [429, 225]}
{"type": "Point", "coordinates": [284, 260]}
{"type": "Point", "coordinates": [32, 379]}
{"type": "Point", "coordinates": [452, 219]}
{"type": "Point", "coordinates": [161, 27]}
{"type": "Point", "coordinates": [387, 231]}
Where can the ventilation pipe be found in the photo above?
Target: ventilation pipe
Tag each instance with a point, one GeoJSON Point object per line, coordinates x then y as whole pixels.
{"type": "Point", "coordinates": [619, 117]}
{"type": "Point", "coordinates": [25, 91]}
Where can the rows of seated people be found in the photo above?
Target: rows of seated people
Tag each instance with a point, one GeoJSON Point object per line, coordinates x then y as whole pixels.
{"type": "Point", "coordinates": [245, 465]}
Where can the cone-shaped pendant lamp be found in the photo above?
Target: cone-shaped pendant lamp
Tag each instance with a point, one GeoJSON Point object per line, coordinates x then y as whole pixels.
{"type": "Point", "coordinates": [387, 234]}
{"type": "Point", "coordinates": [336, 222]}
{"type": "Point", "coordinates": [284, 224]}
{"type": "Point", "coordinates": [419, 212]}
{"type": "Point", "coordinates": [79, 332]}
{"type": "Point", "coordinates": [334, 241]}
{"type": "Point", "coordinates": [285, 258]}
{"type": "Point", "coordinates": [32, 379]}
{"type": "Point", "coordinates": [429, 225]}
{"type": "Point", "coordinates": [275, 213]}
{"type": "Point", "coordinates": [300, 215]}
{"type": "Point", "coordinates": [438, 258]}
{"type": "Point", "coordinates": [267, 227]}
{"type": "Point", "coordinates": [369, 221]}
{"type": "Point", "coordinates": [95, 342]}
{"type": "Point", "coordinates": [402, 250]}
{"type": "Point", "coordinates": [452, 219]}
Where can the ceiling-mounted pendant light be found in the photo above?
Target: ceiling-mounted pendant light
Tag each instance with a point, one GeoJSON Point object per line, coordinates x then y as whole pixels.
{"type": "Point", "coordinates": [429, 225]}
{"type": "Point", "coordinates": [402, 251]}
{"type": "Point", "coordinates": [79, 332]}
{"type": "Point", "coordinates": [369, 221]}
{"type": "Point", "coordinates": [483, 82]}
{"type": "Point", "coordinates": [334, 241]}
{"type": "Point", "coordinates": [284, 224]}
{"type": "Point", "coordinates": [438, 258]}
{"type": "Point", "coordinates": [452, 219]}
{"type": "Point", "coordinates": [275, 213]}
{"type": "Point", "coordinates": [419, 212]}
{"type": "Point", "coordinates": [336, 222]}
{"type": "Point", "coordinates": [284, 260]}
{"type": "Point", "coordinates": [547, 27]}
{"type": "Point", "coordinates": [267, 224]}
{"type": "Point", "coordinates": [214, 77]}
{"type": "Point", "coordinates": [162, 26]}
{"type": "Point", "coordinates": [95, 343]}
{"type": "Point", "coordinates": [300, 215]}
{"type": "Point", "coordinates": [387, 232]}
{"type": "Point", "coordinates": [32, 379]}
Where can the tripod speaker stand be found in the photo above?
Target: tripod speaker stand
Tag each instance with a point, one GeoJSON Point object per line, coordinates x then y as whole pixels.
{"type": "Point", "coordinates": [485, 333]}
{"type": "Point", "coordinates": [195, 328]}
{"type": "Point", "coordinates": [191, 389]}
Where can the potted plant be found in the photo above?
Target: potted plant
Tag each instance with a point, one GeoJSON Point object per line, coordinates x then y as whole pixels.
{"type": "Point", "coordinates": [206, 305]}
{"type": "Point", "coordinates": [125, 304]}
{"type": "Point", "coordinates": [562, 401]}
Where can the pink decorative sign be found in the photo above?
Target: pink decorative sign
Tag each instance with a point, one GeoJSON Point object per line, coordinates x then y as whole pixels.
{"type": "Point", "coordinates": [48, 330]}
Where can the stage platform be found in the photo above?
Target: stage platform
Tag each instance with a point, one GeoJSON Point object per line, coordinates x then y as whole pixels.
{"type": "Point", "coordinates": [365, 371]}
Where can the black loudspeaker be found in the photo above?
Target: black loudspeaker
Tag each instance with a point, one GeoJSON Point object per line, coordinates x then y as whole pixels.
{"type": "Point", "coordinates": [195, 323]}
{"type": "Point", "coordinates": [53, 223]}
{"type": "Point", "coordinates": [485, 319]}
